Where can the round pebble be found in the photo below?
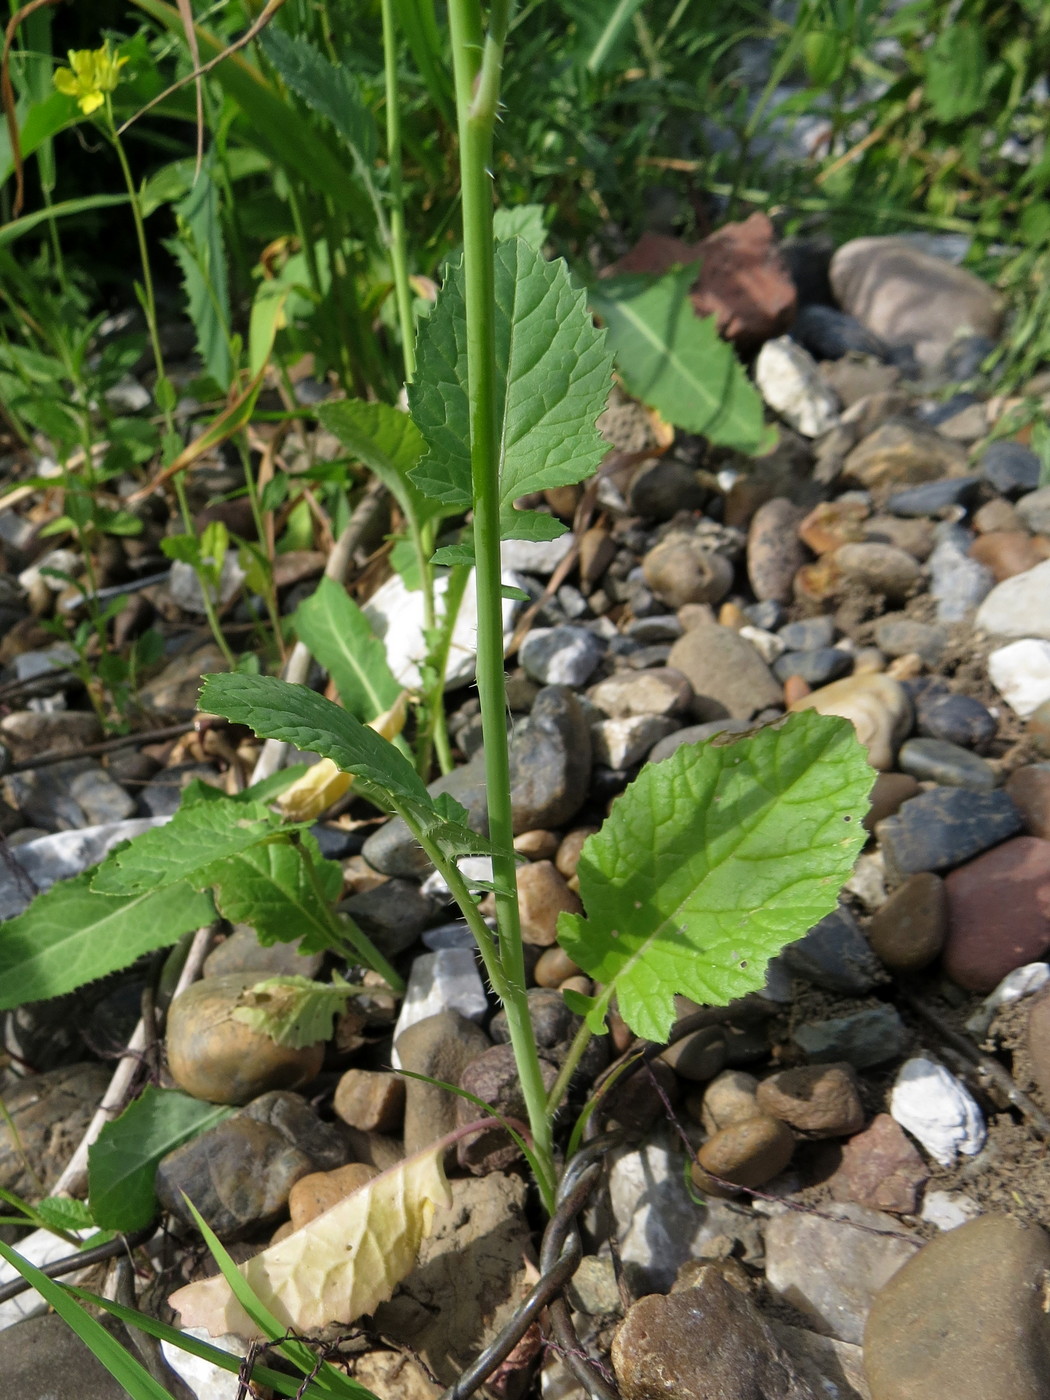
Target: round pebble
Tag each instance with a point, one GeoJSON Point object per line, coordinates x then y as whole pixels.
{"type": "Point", "coordinates": [214, 1057]}
{"type": "Point", "coordinates": [747, 1153]}
{"type": "Point", "coordinates": [680, 570]}
{"type": "Point", "coordinates": [957, 719]}
{"type": "Point", "coordinates": [1029, 788]}
{"type": "Point", "coordinates": [877, 706]}
{"type": "Point", "coordinates": [883, 568]}
{"type": "Point", "coordinates": [729, 1098]}
{"type": "Point", "coordinates": [998, 913]}
{"type": "Point", "coordinates": [935, 760]}
{"type": "Point", "coordinates": [542, 896]}
{"type": "Point", "coordinates": [908, 932]}
{"type": "Point", "coordinates": [774, 553]}
{"type": "Point", "coordinates": [815, 667]}
{"type": "Point", "coordinates": [819, 1100]}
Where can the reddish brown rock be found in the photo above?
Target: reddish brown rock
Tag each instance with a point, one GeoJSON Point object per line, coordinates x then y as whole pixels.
{"type": "Point", "coordinates": [908, 931]}
{"type": "Point", "coordinates": [881, 1168]}
{"type": "Point", "coordinates": [747, 1153]}
{"type": "Point", "coordinates": [742, 279]}
{"type": "Point", "coordinates": [998, 913]}
{"type": "Point", "coordinates": [819, 1100]}
{"type": "Point", "coordinates": [774, 552]}
{"type": "Point", "coordinates": [370, 1100]}
{"type": "Point", "coordinates": [1030, 789]}
{"type": "Point", "coordinates": [1008, 552]}
{"type": "Point", "coordinates": [312, 1195]}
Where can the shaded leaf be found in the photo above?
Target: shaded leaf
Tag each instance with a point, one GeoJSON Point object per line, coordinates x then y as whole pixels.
{"type": "Point", "coordinates": [270, 887]}
{"type": "Point", "coordinates": [387, 442]}
{"type": "Point", "coordinates": [714, 859]}
{"type": "Point", "coordinates": [122, 1162]}
{"type": "Point", "coordinates": [339, 635]}
{"type": "Point", "coordinates": [329, 90]}
{"type": "Point", "coordinates": [200, 253]}
{"type": "Point", "coordinates": [340, 1266]}
{"type": "Point", "coordinates": [674, 360]}
{"type": "Point", "coordinates": [526, 221]}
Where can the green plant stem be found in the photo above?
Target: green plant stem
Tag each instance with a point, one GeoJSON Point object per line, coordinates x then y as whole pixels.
{"type": "Point", "coordinates": [489, 946]}
{"type": "Point", "coordinates": [569, 1066]}
{"type": "Point", "coordinates": [477, 64]}
{"type": "Point", "coordinates": [398, 248]}
{"type": "Point", "coordinates": [346, 931]}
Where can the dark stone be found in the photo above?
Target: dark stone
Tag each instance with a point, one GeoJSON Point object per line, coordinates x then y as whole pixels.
{"type": "Point", "coordinates": [835, 955]}
{"type": "Point", "coordinates": [942, 828]}
{"type": "Point", "coordinates": [947, 410]}
{"type": "Point", "coordinates": [550, 765]}
{"type": "Point", "coordinates": [660, 490]}
{"type": "Point", "coordinates": [439, 1047]}
{"type": "Point", "coordinates": [863, 1038]}
{"type": "Point", "coordinates": [39, 1356]}
{"type": "Point", "coordinates": [324, 1143]}
{"type": "Point", "coordinates": [816, 668]}
{"type": "Point", "coordinates": [936, 760]}
{"type": "Point", "coordinates": [768, 614]}
{"type": "Point", "coordinates": [161, 795]}
{"type": "Point", "coordinates": [933, 496]}
{"type": "Point", "coordinates": [829, 334]}
{"type": "Point", "coordinates": [958, 719]}
{"type": "Point", "coordinates": [335, 842]}
{"type": "Point", "coordinates": [238, 1175]}
{"type": "Point", "coordinates": [1011, 468]}
{"type": "Point", "coordinates": [964, 357]}
{"type": "Point", "coordinates": [494, 1078]}
{"type": "Point", "coordinates": [899, 636]}
{"type": "Point", "coordinates": [392, 914]}
{"type": "Point", "coordinates": [811, 634]}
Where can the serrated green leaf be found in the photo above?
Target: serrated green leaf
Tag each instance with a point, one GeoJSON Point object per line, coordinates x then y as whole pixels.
{"type": "Point", "coordinates": [330, 90]}
{"type": "Point", "coordinates": [200, 252]}
{"type": "Point", "coordinates": [275, 709]}
{"type": "Point", "coordinates": [122, 1162]}
{"type": "Point", "coordinates": [292, 1010]}
{"type": "Point", "coordinates": [450, 555]}
{"type": "Point", "coordinates": [269, 886]}
{"type": "Point", "coordinates": [339, 635]}
{"type": "Point", "coordinates": [552, 383]}
{"type": "Point", "coordinates": [526, 221]}
{"type": "Point", "coordinates": [673, 360]}
{"type": "Point", "coordinates": [70, 935]}
{"type": "Point", "coordinates": [714, 859]}
{"type": "Point", "coordinates": [197, 836]}
{"type": "Point", "coordinates": [388, 443]}
{"type": "Point", "coordinates": [64, 1213]}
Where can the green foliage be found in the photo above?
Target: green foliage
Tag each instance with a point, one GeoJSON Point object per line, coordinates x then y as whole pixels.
{"type": "Point", "coordinates": [675, 361]}
{"type": "Point", "coordinates": [200, 252]}
{"type": "Point", "coordinates": [338, 634]}
{"type": "Point", "coordinates": [122, 1162]}
{"type": "Point", "coordinates": [71, 935]}
{"type": "Point", "coordinates": [293, 1010]}
{"type": "Point", "coordinates": [553, 374]}
{"type": "Point", "coordinates": [711, 861]}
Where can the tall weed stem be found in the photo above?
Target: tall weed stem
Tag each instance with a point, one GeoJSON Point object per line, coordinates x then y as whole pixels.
{"type": "Point", "coordinates": [477, 64]}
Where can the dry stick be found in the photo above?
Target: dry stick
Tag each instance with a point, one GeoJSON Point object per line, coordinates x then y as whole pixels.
{"type": "Point", "coordinates": [296, 669]}
{"type": "Point", "coordinates": [73, 1181]}
{"type": "Point", "coordinates": [121, 741]}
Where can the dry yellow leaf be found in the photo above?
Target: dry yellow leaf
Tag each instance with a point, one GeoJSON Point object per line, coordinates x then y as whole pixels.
{"type": "Point", "coordinates": [341, 1265]}
{"type": "Point", "coordinates": [323, 783]}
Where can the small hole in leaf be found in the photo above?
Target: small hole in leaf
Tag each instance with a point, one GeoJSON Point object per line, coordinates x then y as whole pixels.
{"type": "Point", "coordinates": [847, 818]}
{"type": "Point", "coordinates": [743, 965]}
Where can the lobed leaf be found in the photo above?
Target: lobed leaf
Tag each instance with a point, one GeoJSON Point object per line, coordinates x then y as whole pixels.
{"type": "Point", "coordinates": [330, 90]}
{"type": "Point", "coordinates": [197, 836]}
{"type": "Point", "coordinates": [714, 859]}
{"type": "Point", "coordinates": [293, 1010]}
{"type": "Point", "coordinates": [339, 635]}
{"type": "Point", "coordinates": [270, 887]}
{"type": "Point", "coordinates": [71, 935]}
{"type": "Point", "coordinates": [341, 1265]}
{"type": "Point", "coordinates": [122, 1162]}
{"type": "Point", "coordinates": [553, 377]}
{"type": "Point", "coordinates": [674, 360]}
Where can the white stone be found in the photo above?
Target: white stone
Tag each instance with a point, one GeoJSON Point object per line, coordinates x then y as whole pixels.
{"type": "Point", "coordinates": [207, 1381]}
{"type": "Point", "coordinates": [42, 663]}
{"type": "Point", "coordinates": [59, 561]}
{"type": "Point", "coordinates": [447, 980]}
{"type": "Point", "coordinates": [768, 645]}
{"type": "Point", "coordinates": [565, 655]}
{"type": "Point", "coordinates": [127, 395]}
{"type": "Point", "coordinates": [396, 615]}
{"type": "Point", "coordinates": [60, 857]}
{"type": "Point", "coordinates": [868, 881]}
{"type": "Point", "coordinates": [1022, 982]}
{"type": "Point", "coordinates": [184, 585]}
{"type": "Point", "coordinates": [620, 743]}
{"type": "Point", "coordinates": [789, 382]}
{"type": "Point", "coordinates": [472, 868]}
{"type": "Point", "coordinates": [456, 934]}
{"type": "Point", "coordinates": [957, 582]}
{"type": "Point", "coordinates": [536, 556]}
{"type": "Point", "coordinates": [1019, 606]}
{"type": "Point", "coordinates": [40, 1248]}
{"type": "Point", "coordinates": [938, 1110]}
{"type": "Point", "coordinates": [1020, 673]}
{"type": "Point", "coordinates": [947, 1210]}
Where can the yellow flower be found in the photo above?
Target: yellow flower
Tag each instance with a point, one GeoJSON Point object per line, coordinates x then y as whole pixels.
{"type": "Point", "coordinates": [90, 75]}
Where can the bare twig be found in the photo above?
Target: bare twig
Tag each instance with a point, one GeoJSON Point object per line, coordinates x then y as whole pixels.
{"type": "Point", "coordinates": [121, 741]}
{"type": "Point", "coordinates": [82, 1259]}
